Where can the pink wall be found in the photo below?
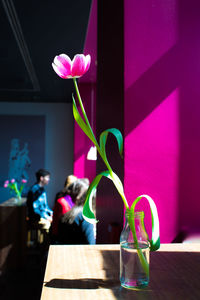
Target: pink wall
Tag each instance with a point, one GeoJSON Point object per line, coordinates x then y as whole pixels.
{"type": "Point", "coordinates": [162, 109]}
{"type": "Point", "coordinates": [189, 178]}
{"type": "Point", "coordinates": [151, 109]}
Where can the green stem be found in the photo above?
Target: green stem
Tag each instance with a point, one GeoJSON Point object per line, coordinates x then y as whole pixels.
{"type": "Point", "coordinates": [13, 186]}
{"type": "Point", "coordinates": [132, 224]}
{"type": "Point", "coordinates": [142, 258]}
{"type": "Point", "coordinates": [96, 143]}
{"type": "Point", "coordinates": [122, 195]}
{"type": "Point", "coordinates": [84, 113]}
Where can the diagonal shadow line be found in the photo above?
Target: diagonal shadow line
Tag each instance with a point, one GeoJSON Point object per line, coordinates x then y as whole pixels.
{"type": "Point", "coordinates": [81, 152]}
{"type": "Point", "coordinates": [153, 86]}
{"type": "Point", "coordinates": [158, 82]}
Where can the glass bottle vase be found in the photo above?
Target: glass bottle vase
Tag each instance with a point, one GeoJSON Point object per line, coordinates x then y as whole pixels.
{"type": "Point", "coordinates": [18, 200]}
{"type": "Point", "coordinates": [134, 252]}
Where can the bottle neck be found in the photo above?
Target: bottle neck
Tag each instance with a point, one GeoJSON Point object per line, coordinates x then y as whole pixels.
{"type": "Point", "coordinates": [138, 220]}
{"type": "Point", "coordinates": [138, 215]}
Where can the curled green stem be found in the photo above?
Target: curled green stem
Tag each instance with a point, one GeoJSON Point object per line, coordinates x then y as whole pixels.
{"type": "Point", "coordinates": [132, 225]}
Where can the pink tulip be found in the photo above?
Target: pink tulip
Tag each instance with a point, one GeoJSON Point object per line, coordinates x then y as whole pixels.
{"type": "Point", "coordinates": [5, 184]}
{"type": "Point", "coordinates": [65, 68]}
{"type": "Point", "coordinates": [24, 180]}
{"type": "Point", "coordinates": [12, 180]}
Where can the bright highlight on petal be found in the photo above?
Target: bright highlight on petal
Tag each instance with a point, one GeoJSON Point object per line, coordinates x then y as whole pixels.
{"type": "Point", "coordinates": [63, 60]}
{"type": "Point", "coordinates": [67, 68]}
{"type": "Point", "coordinates": [78, 65]}
{"type": "Point", "coordinates": [87, 62]}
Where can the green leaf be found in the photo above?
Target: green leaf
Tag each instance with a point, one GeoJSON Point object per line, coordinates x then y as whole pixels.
{"type": "Point", "coordinates": [114, 177]}
{"type": "Point", "coordinates": [155, 240]}
{"type": "Point", "coordinates": [118, 184]}
{"type": "Point", "coordinates": [103, 139]}
{"type": "Point", "coordinates": [81, 123]}
{"type": "Point", "coordinates": [88, 212]}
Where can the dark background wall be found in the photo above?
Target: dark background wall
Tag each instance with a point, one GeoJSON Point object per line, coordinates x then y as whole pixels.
{"type": "Point", "coordinates": [52, 150]}
{"type": "Point", "coordinates": [32, 34]}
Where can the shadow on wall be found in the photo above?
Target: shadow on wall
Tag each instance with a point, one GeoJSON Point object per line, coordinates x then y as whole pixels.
{"type": "Point", "coordinates": [178, 68]}
{"type": "Point", "coordinates": [189, 204]}
{"type": "Point", "coordinates": [153, 87]}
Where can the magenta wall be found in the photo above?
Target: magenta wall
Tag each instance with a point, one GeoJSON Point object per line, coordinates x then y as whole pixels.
{"type": "Point", "coordinates": [162, 109]}
{"type": "Point", "coordinates": [189, 178]}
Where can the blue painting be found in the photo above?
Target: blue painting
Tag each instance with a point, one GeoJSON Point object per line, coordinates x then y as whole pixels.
{"type": "Point", "coordinates": [19, 161]}
{"type": "Point", "coordinates": [22, 149]}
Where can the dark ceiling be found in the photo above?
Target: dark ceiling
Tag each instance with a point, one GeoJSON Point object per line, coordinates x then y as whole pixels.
{"type": "Point", "coordinates": [33, 32]}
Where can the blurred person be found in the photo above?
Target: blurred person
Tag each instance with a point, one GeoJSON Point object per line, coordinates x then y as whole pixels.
{"type": "Point", "coordinates": [73, 228]}
{"type": "Point", "coordinates": [37, 205]}
{"type": "Point", "coordinates": [63, 203]}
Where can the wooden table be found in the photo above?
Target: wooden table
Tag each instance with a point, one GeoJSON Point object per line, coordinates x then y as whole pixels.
{"type": "Point", "coordinates": [92, 272]}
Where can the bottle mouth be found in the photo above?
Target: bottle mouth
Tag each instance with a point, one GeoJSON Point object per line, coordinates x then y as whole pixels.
{"type": "Point", "coordinates": [137, 214]}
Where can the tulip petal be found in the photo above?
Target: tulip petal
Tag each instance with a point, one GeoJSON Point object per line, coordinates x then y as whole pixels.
{"type": "Point", "coordinates": [61, 71]}
{"type": "Point", "coordinates": [64, 61]}
{"type": "Point", "coordinates": [78, 65]}
{"type": "Point", "coordinates": [62, 66]}
{"type": "Point", "coordinates": [65, 68]}
{"type": "Point", "coordinates": [87, 62]}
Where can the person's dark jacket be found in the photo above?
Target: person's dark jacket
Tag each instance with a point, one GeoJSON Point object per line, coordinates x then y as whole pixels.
{"type": "Point", "coordinates": [75, 230]}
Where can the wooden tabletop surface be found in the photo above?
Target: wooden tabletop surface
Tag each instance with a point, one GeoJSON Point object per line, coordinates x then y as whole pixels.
{"type": "Point", "coordinates": [92, 272]}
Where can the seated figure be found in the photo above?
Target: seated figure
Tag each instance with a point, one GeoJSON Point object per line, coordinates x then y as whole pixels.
{"type": "Point", "coordinates": [37, 205]}
{"type": "Point", "coordinates": [73, 228]}
{"type": "Point", "coordinates": [63, 203]}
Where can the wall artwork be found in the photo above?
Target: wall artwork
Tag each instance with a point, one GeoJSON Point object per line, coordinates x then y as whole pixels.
{"type": "Point", "coordinates": [22, 144]}
{"type": "Point", "coordinates": [19, 161]}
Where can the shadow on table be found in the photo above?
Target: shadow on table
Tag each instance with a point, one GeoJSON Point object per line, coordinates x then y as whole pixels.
{"type": "Point", "coordinates": [173, 275]}
{"type": "Point", "coordinates": [82, 283]}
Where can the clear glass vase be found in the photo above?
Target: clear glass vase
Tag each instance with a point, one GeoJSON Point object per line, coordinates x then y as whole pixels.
{"type": "Point", "coordinates": [18, 200]}
{"type": "Point", "coordinates": [134, 252]}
